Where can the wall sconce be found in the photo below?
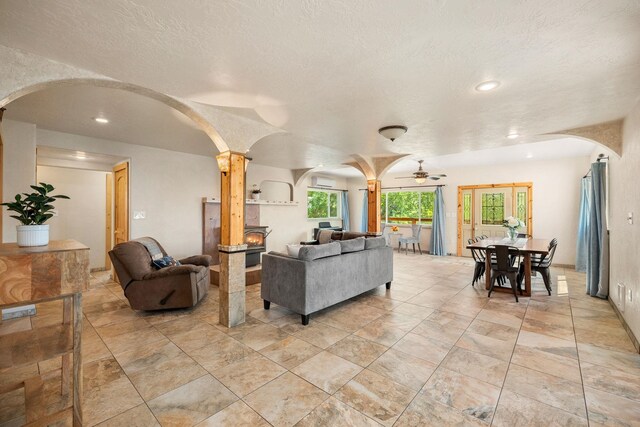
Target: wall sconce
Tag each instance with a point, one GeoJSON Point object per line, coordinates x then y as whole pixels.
{"type": "Point", "coordinates": [223, 162]}
{"type": "Point", "coordinates": [371, 185]}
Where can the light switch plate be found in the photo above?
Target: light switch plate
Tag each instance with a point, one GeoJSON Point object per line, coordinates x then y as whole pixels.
{"type": "Point", "coordinates": [139, 214]}
{"type": "Point", "coordinates": [630, 218]}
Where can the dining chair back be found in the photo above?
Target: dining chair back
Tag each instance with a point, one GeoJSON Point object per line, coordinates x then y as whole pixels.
{"type": "Point", "coordinates": [503, 266]}
{"type": "Point", "coordinates": [541, 264]}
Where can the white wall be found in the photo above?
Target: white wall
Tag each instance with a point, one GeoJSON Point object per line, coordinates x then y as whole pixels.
{"type": "Point", "coordinates": [556, 197]}
{"type": "Point", "coordinates": [19, 163]}
{"type": "Point", "coordinates": [83, 217]}
{"type": "Point", "coordinates": [289, 223]}
{"type": "Point", "coordinates": [624, 238]}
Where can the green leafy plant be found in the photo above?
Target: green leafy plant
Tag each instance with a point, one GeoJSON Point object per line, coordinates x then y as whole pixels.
{"type": "Point", "coordinates": [34, 208]}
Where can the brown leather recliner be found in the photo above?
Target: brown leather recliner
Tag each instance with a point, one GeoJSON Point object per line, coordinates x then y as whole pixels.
{"type": "Point", "coordinates": [147, 288]}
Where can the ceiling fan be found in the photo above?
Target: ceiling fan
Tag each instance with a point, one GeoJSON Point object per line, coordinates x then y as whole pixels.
{"type": "Point", "coordinates": [421, 175]}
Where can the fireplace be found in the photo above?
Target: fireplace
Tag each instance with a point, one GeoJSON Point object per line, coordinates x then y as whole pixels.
{"type": "Point", "coordinates": [255, 237]}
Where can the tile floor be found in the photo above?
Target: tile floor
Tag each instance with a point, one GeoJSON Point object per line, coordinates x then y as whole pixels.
{"type": "Point", "coordinates": [431, 351]}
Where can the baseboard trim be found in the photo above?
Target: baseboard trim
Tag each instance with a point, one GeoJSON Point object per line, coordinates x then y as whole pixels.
{"type": "Point", "coordinates": [564, 266]}
{"type": "Point", "coordinates": [634, 340]}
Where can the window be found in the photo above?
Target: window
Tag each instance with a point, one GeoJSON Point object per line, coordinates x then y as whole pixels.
{"type": "Point", "coordinates": [521, 206]}
{"type": "Point", "coordinates": [466, 209]}
{"type": "Point", "coordinates": [492, 208]}
{"type": "Point", "coordinates": [407, 207]}
{"type": "Point", "coordinates": [322, 204]}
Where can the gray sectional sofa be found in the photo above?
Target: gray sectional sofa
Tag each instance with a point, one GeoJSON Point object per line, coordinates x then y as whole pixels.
{"type": "Point", "coordinates": [326, 274]}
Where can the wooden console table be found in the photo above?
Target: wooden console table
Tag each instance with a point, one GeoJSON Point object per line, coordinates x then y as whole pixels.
{"type": "Point", "coordinates": [58, 271]}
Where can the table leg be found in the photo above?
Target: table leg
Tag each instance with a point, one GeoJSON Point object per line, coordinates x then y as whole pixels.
{"type": "Point", "coordinates": [527, 274]}
{"type": "Point", "coordinates": [487, 271]}
{"type": "Point", "coordinates": [77, 359]}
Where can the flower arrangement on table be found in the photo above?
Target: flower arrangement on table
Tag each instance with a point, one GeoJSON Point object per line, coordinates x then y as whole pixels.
{"type": "Point", "coordinates": [394, 228]}
{"type": "Point", "coordinates": [512, 223]}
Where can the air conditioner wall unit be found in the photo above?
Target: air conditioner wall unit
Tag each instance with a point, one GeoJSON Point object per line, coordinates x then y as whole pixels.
{"type": "Point", "coordinates": [320, 181]}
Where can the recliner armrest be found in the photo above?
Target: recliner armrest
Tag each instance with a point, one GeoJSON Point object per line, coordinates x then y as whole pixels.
{"type": "Point", "coordinates": [171, 271]}
{"type": "Point", "coordinates": [203, 260]}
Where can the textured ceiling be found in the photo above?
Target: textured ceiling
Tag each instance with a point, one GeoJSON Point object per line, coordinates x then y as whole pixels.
{"type": "Point", "coordinates": [332, 72]}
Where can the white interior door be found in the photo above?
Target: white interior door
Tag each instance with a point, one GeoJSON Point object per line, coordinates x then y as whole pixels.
{"type": "Point", "coordinates": [491, 207]}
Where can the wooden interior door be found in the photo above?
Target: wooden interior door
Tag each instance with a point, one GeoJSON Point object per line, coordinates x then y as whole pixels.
{"type": "Point", "coordinates": [121, 203]}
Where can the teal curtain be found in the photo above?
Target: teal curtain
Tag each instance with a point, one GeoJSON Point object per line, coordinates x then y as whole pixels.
{"type": "Point", "coordinates": [437, 244]}
{"type": "Point", "coordinates": [598, 235]}
{"type": "Point", "coordinates": [582, 244]}
{"type": "Point", "coordinates": [365, 213]}
{"type": "Point", "coordinates": [345, 211]}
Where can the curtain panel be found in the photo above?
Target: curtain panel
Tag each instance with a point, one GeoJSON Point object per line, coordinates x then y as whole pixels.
{"type": "Point", "coordinates": [582, 244]}
{"type": "Point", "coordinates": [365, 213]}
{"type": "Point", "coordinates": [437, 243]}
{"type": "Point", "coordinates": [345, 211]}
{"type": "Point", "coordinates": [598, 235]}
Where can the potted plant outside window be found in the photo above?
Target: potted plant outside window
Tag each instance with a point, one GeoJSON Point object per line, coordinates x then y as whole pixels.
{"type": "Point", "coordinates": [33, 210]}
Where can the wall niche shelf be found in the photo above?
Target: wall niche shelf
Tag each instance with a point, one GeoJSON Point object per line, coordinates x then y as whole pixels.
{"type": "Point", "coordinates": [256, 202]}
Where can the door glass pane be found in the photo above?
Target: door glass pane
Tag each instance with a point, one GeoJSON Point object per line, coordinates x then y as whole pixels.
{"type": "Point", "coordinates": [333, 205]}
{"type": "Point", "coordinates": [466, 208]}
{"type": "Point", "coordinates": [403, 207]}
{"type": "Point", "coordinates": [492, 208]}
{"type": "Point", "coordinates": [521, 206]}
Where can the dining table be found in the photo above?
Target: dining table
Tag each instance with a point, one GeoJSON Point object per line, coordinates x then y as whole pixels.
{"type": "Point", "coordinates": [526, 246]}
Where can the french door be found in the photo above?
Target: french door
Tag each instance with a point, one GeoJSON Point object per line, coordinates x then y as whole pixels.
{"type": "Point", "coordinates": [483, 208]}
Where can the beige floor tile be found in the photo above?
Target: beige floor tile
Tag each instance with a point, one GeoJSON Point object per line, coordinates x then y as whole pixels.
{"type": "Point", "coordinates": [605, 336]}
{"type": "Point", "coordinates": [221, 353]}
{"type": "Point", "coordinates": [351, 320]}
{"type": "Point", "coordinates": [200, 335]}
{"type": "Point", "coordinates": [376, 396]}
{"type": "Point", "coordinates": [382, 333]}
{"type": "Point", "coordinates": [549, 327]}
{"type": "Point", "coordinates": [327, 371]}
{"type": "Point", "coordinates": [428, 349]}
{"type": "Point", "coordinates": [548, 363]}
{"type": "Point", "coordinates": [446, 334]}
{"type": "Point", "coordinates": [127, 341]}
{"type": "Point", "coordinates": [476, 365]}
{"type": "Point", "coordinates": [335, 413]}
{"type": "Point", "coordinates": [275, 312]}
{"type": "Point", "coordinates": [111, 317]}
{"type": "Point", "coordinates": [548, 307]}
{"type": "Point", "coordinates": [449, 319]}
{"type": "Point", "coordinates": [115, 329]}
{"type": "Point", "coordinates": [471, 396]}
{"type": "Point", "coordinates": [401, 321]}
{"type": "Point", "coordinates": [624, 361]}
{"type": "Point", "coordinates": [320, 335]}
{"type": "Point", "coordinates": [236, 414]}
{"type": "Point", "coordinates": [424, 411]}
{"type": "Point", "coordinates": [99, 372]}
{"type": "Point", "coordinates": [548, 344]}
{"type": "Point", "coordinates": [614, 381]}
{"type": "Point", "coordinates": [503, 318]}
{"type": "Point", "coordinates": [610, 409]}
{"type": "Point", "coordinates": [140, 416]}
{"type": "Point", "coordinates": [519, 411]}
{"type": "Point", "coordinates": [286, 400]}
{"type": "Point", "coordinates": [108, 400]}
{"type": "Point", "coordinates": [192, 402]}
{"type": "Point", "coordinates": [259, 336]}
{"type": "Point", "coordinates": [290, 352]}
{"type": "Point", "coordinates": [493, 330]}
{"type": "Point", "coordinates": [545, 388]}
{"type": "Point", "coordinates": [403, 368]}
{"type": "Point", "coordinates": [486, 345]}
{"type": "Point", "coordinates": [248, 374]}
{"type": "Point", "coordinates": [357, 350]}
{"type": "Point", "coordinates": [414, 310]}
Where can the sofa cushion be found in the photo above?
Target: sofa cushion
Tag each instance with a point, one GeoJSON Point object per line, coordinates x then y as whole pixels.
{"type": "Point", "coordinates": [311, 252]}
{"type": "Point", "coordinates": [375, 242]}
{"type": "Point", "coordinates": [353, 245]}
{"type": "Point", "coordinates": [292, 250]}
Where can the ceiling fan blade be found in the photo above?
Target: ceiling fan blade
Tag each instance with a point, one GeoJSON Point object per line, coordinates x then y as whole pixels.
{"type": "Point", "coordinates": [441, 175]}
{"type": "Point", "coordinates": [405, 177]}
{"type": "Point", "coordinates": [433, 177]}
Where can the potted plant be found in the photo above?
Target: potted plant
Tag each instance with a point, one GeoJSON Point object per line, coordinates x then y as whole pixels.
{"type": "Point", "coordinates": [512, 223]}
{"type": "Point", "coordinates": [33, 210]}
{"type": "Point", "coordinates": [255, 192]}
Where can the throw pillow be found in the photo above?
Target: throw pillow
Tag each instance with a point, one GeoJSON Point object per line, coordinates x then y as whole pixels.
{"type": "Point", "coordinates": [324, 236]}
{"type": "Point", "coordinates": [353, 245]}
{"type": "Point", "coordinates": [163, 262]}
{"type": "Point", "coordinates": [293, 250]}
{"type": "Point", "coordinates": [311, 252]}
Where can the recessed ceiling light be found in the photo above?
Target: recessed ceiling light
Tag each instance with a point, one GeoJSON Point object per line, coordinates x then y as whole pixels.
{"type": "Point", "coordinates": [320, 165]}
{"type": "Point", "coordinates": [487, 86]}
{"type": "Point", "coordinates": [529, 155]}
{"type": "Point", "coordinates": [513, 136]}
{"type": "Point", "coordinates": [101, 120]}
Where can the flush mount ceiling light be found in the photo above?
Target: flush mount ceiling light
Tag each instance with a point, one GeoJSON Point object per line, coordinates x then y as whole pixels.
{"type": "Point", "coordinates": [80, 155]}
{"type": "Point", "coordinates": [393, 132]}
{"type": "Point", "coordinates": [487, 86]}
{"type": "Point", "coordinates": [513, 136]}
{"type": "Point", "coordinates": [101, 120]}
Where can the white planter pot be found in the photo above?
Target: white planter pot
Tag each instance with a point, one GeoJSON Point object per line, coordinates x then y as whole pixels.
{"type": "Point", "coordinates": [255, 196]}
{"type": "Point", "coordinates": [33, 235]}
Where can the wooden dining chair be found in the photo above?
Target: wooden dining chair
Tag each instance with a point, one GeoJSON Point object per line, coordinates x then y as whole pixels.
{"type": "Point", "coordinates": [503, 266]}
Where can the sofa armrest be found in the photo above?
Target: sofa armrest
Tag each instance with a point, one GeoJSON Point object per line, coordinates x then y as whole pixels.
{"type": "Point", "coordinates": [284, 281]}
{"type": "Point", "coordinates": [203, 260]}
{"type": "Point", "coordinates": [172, 271]}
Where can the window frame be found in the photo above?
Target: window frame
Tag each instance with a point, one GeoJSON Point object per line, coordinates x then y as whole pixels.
{"type": "Point", "coordinates": [423, 221]}
{"type": "Point", "coordinates": [329, 192]}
